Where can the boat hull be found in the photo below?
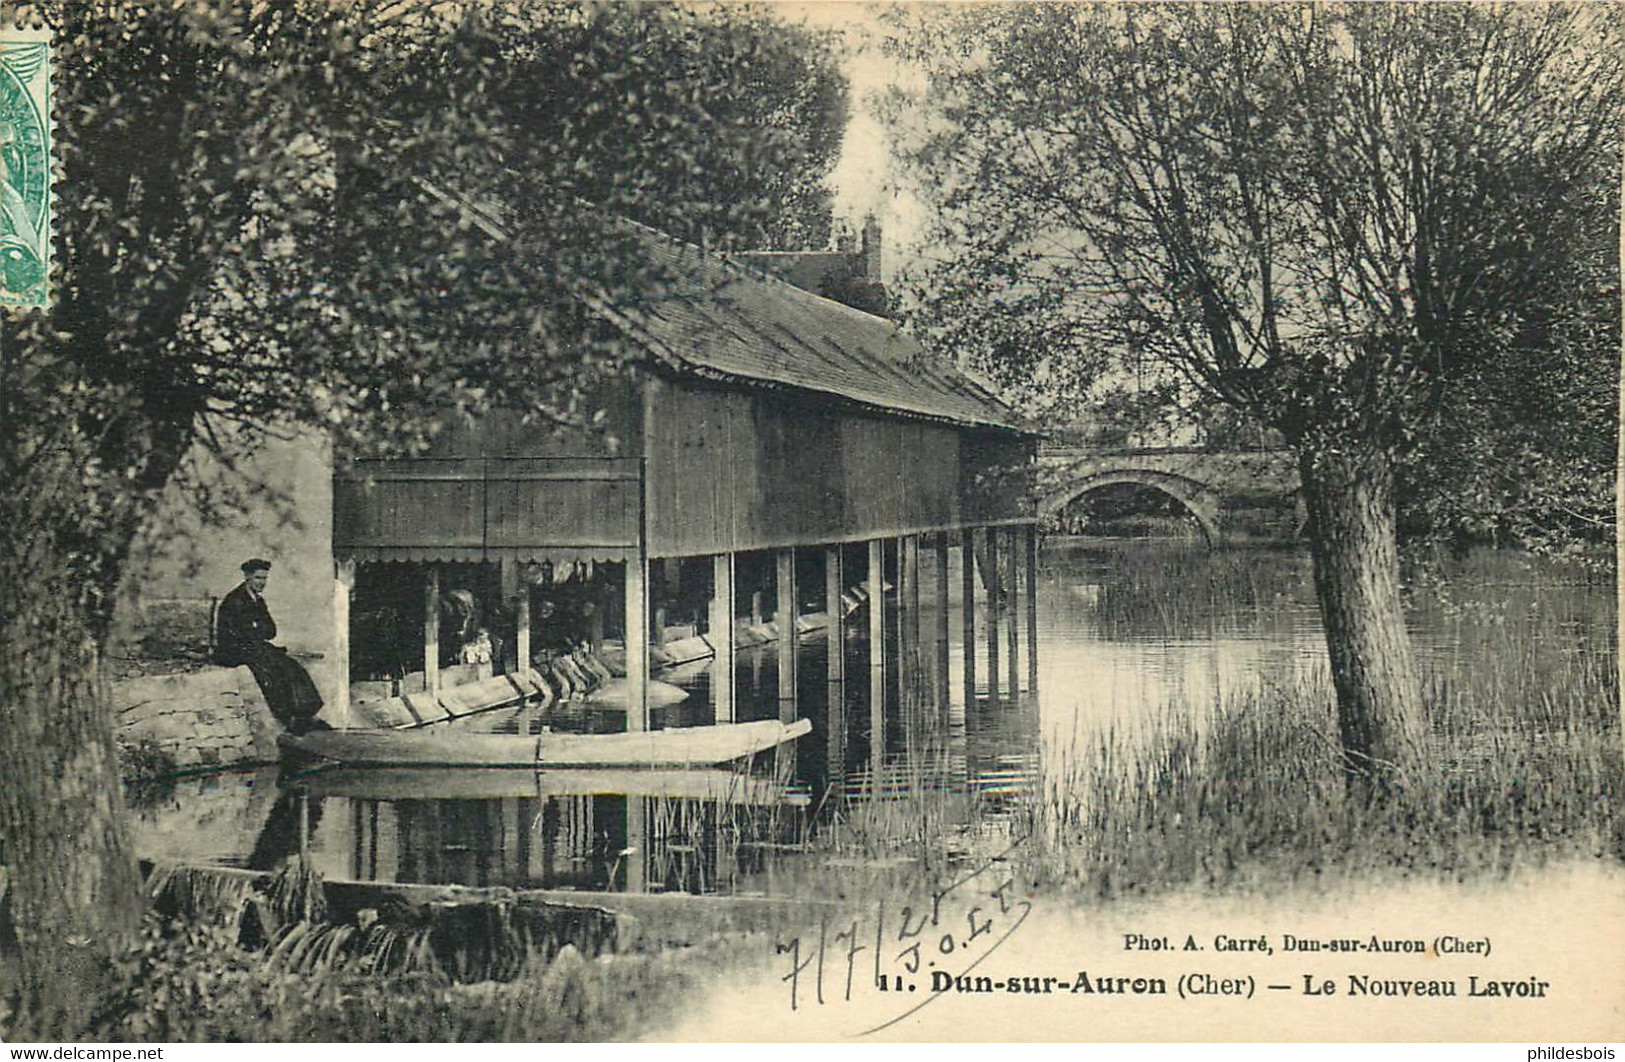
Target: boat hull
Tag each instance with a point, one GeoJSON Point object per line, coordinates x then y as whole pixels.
{"type": "Point", "coordinates": [708, 784]}
{"type": "Point", "coordinates": [445, 747]}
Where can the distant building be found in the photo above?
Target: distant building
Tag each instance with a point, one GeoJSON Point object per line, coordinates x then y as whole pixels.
{"type": "Point", "coordinates": [850, 274]}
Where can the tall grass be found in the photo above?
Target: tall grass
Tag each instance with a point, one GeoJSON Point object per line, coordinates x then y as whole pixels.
{"type": "Point", "coordinates": [228, 958]}
{"type": "Point", "coordinates": [1181, 592]}
{"type": "Point", "coordinates": [1523, 762]}
{"type": "Point", "coordinates": [193, 983]}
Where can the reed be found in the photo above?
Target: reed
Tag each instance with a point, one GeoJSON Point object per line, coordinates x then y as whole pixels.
{"type": "Point", "coordinates": [1524, 761]}
{"type": "Point", "coordinates": [192, 983]}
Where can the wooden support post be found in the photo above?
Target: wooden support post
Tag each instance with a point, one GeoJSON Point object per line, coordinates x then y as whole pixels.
{"type": "Point", "coordinates": [785, 615]}
{"type": "Point", "coordinates": [637, 641]}
{"type": "Point", "coordinates": [431, 633]}
{"type": "Point", "coordinates": [521, 624]}
{"type": "Point", "coordinates": [992, 579]}
{"type": "Point", "coordinates": [343, 587]}
{"type": "Point", "coordinates": [722, 637]}
{"type": "Point", "coordinates": [835, 668]}
{"type": "Point", "coordinates": [877, 662]}
{"type": "Point", "coordinates": [939, 670]}
{"type": "Point", "coordinates": [1013, 607]}
{"type": "Point", "coordinates": [373, 833]}
{"type": "Point", "coordinates": [1032, 608]}
{"type": "Point", "coordinates": [905, 686]}
{"type": "Point", "coordinates": [967, 606]}
{"type": "Point", "coordinates": [910, 674]}
{"type": "Point", "coordinates": [595, 620]}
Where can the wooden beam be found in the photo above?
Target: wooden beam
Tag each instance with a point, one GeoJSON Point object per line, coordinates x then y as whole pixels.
{"type": "Point", "coordinates": [1013, 635]}
{"type": "Point", "coordinates": [877, 662]}
{"type": "Point", "coordinates": [967, 606]}
{"type": "Point", "coordinates": [635, 860]}
{"type": "Point", "coordinates": [905, 673]}
{"type": "Point", "coordinates": [343, 587]}
{"type": "Point", "coordinates": [521, 633]}
{"type": "Point", "coordinates": [637, 643]}
{"type": "Point", "coordinates": [939, 670]}
{"type": "Point", "coordinates": [991, 578]}
{"type": "Point", "coordinates": [835, 668]}
{"type": "Point", "coordinates": [785, 615]}
{"type": "Point", "coordinates": [431, 632]}
{"type": "Point", "coordinates": [1032, 608]}
{"type": "Point", "coordinates": [911, 671]}
{"type": "Point", "coordinates": [722, 637]}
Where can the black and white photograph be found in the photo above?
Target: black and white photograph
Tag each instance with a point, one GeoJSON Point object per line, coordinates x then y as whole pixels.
{"type": "Point", "coordinates": [826, 522]}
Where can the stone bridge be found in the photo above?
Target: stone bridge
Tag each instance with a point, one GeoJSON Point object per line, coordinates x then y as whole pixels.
{"type": "Point", "coordinates": [1216, 486]}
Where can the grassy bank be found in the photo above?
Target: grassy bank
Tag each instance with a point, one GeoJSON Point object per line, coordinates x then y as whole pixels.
{"type": "Point", "coordinates": [191, 982]}
{"type": "Point", "coordinates": [1524, 761]}
{"type": "Point", "coordinates": [1525, 767]}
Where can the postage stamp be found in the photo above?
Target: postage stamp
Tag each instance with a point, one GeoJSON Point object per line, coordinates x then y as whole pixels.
{"type": "Point", "coordinates": [25, 166]}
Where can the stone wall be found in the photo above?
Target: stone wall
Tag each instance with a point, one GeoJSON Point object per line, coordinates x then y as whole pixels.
{"type": "Point", "coordinates": [201, 720]}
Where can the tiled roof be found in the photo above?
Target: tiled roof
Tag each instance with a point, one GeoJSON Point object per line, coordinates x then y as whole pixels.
{"type": "Point", "coordinates": [723, 320]}
{"type": "Point", "coordinates": [807, 270]}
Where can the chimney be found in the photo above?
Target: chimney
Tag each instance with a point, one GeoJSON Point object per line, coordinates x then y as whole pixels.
{"type": "Point", "coordinates": [844, 241]}
{"type": "Point", "coordinates": [871, 248]}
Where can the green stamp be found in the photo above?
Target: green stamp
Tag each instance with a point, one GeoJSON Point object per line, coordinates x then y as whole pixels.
{"type": "Point", "coordinates": [25, 167]}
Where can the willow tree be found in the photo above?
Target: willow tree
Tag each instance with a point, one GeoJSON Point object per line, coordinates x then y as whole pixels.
{"type": "Point", "coordinates": [267, 217]}
{"type": "Point", "coordinates": [1322, 217]}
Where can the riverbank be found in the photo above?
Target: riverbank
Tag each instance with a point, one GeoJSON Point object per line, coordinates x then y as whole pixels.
{"type": "Point", "coordinates": [1179, 756]}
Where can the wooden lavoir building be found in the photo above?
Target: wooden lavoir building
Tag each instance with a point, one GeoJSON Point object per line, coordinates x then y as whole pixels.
{"type": "Point", "coordinates": [761, 421]}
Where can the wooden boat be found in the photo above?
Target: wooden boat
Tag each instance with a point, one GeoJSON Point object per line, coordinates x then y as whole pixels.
{"type": "Point", "coordinates": [695, 746]}
{"type": "Point", "coordinates": [497, 692]}
{"type": "Point", "coordinates": [496, 783]}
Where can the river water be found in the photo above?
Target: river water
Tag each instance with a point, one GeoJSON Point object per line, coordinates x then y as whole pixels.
{"type": "Point", "coordinates": [1129, 633]}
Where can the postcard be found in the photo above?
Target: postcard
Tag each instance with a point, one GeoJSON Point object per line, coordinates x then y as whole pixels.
{"type": "Point", "coordinates": [811, 522]}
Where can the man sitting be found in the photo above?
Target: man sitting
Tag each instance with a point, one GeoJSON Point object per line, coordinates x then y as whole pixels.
{"type": "Point", "coordinates": [243, 632]}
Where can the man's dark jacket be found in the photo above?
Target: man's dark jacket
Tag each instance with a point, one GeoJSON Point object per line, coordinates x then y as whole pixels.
{"type": "Point", "coordinates": [243, 629]}
{"type": "Point", "coordinates": [242, 623]}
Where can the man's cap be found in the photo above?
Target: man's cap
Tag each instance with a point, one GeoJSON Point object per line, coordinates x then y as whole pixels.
{"type": "Point", "coordinates": [256, 565]}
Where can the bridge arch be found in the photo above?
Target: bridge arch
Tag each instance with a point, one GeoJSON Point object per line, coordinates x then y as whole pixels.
{"type": "Point", "coordinates": [1199, 499]}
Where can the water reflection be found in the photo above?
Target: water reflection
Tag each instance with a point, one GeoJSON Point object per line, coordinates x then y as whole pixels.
{"type": "Point", "coordinates": [656, 830]}
{"type": "Point", "coordinates": [1126, 634]}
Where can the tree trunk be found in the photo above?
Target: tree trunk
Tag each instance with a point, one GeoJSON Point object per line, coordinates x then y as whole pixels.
{"type": "Point", "coordinates": [1349, 491]}
{"type": "Point", "coordinates": [75, 893]}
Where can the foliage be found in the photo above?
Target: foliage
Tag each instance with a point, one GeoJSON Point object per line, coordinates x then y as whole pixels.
{"type": "Point", "coordinates": [1395, 223]}
{"type": "Point", "coordinates": [248, 239]}
{"type": "Point", "coordinates": [717, 124]}
{"type": "Point", "coordinates": [147, 771]}
{"type": "Point", "coordinates": [184, 983]}
{"type": "Point", "coordinates": [359, 218]}
{"type": "Point", "coordinates": [860, 293]}
{"type": "Point", "coordinates": [1343, 222]}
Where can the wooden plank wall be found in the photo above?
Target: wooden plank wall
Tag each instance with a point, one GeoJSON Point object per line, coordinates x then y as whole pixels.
{"type": "Point", "coordinates": [729, 469]}
{"type": "Point", "coordinates": [421, 503]}
{"type": "Point", "coordinates": [739, 470]}
{"type": "Point", "coordinates": [500, 484]}
{"type": "Point", "coordinates": [487, 504]}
